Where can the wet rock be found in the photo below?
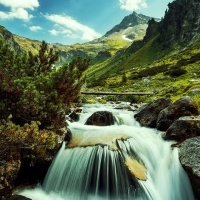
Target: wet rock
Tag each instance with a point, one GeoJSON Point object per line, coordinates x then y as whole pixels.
{"type": "Point", "coordinates": [68, 136]}
{"type": "Point", "coordinates": [185, 106]}
{"type": "Point", "coordinates": [74, 116]}
{"type": "Point", "coordinates": [19, 197]}
{"type": "Point", "coordinates": [189, 155]}
{"type": "Point", "coordinates": [119, 107]}
{"type": "Point", "coordinates": [101, 118]}
{"type": "Point", "coordinates": [149, 114]}
{"type": "Point", "coordinates": [183, 128]}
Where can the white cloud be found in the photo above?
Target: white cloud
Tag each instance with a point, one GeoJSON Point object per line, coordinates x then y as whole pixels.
{"type": "Point", "coordinates": [132, 5]}
{"type": "Point", "coordinates": [35, 28]}
{"type": "Point", "coordinates": [31, 4]}
{"type": "Point", "coordinates": [54, 32]}
{"type": "Point", "coordinates": [18, 9]}
{"type": "Point", "coordinates": [73, 29]}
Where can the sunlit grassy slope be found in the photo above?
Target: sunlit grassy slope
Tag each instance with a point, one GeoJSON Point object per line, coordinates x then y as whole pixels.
{"type": "Point", "coordinates": [166, 72]}
{"type": "Point", "coordinates": [68, 52]}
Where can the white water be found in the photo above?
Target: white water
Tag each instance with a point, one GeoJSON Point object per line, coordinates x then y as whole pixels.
{"type": "Point", "coordinates": [91, 171]}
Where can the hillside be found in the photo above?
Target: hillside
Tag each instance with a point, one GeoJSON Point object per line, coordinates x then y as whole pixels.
{"type": "Point", "coordinates": [139, 54]}
{"type": "Point", "coordinates": [166, 61]}
{"type": "Point", "coordinates": [131, 28]}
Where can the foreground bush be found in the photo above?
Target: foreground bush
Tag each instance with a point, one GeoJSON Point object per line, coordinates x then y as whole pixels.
{"type": "Point", "coordinates": [33, 92]}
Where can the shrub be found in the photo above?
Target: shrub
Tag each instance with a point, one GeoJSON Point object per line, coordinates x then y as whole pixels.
{"type": "Point", "coordinates": [33, 89]}
{"type": "Point", "coordinates": [176, 72]}
{"type": "Point", "coordinates": [33, 92]}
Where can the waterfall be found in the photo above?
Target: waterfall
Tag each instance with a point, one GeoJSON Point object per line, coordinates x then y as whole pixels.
{"type": "Point", "coordinates": [119, 162]}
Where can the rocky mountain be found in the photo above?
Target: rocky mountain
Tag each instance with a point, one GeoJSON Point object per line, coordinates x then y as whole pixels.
{"type": "Point", "coordinates": [166, 60]}
{"type": "Point", "coordinates": [128, 25]}
{"type": "Point", "coordinates": [181, 23]}
{"type": "Point", "coordinates": [179, 27]}
{"type": "Point", "coordinates": [9, 38]}
{"type": "Point", "coordinates": [131, 28]}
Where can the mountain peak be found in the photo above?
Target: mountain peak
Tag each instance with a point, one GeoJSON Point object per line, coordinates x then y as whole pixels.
{"type": "Point", "coordinates": [129, 21]}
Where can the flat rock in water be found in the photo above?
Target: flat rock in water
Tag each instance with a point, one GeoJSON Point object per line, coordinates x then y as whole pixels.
{"type": "Point", "coordinates": [137, 169]}
{"type": "Point", "coordinates": [189, 155]}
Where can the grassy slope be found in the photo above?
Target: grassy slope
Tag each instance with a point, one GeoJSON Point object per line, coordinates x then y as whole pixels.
{"type": "Point", "coordinates": [90, 48]}
{"type": "Point", "coordinates": [107, 76]}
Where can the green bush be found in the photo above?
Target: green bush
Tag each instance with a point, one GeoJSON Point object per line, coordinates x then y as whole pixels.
{"type": "Point", "coordinates": [33, 89]}
{"type": "Point", "coordinates": [176, 72]}
{"type": "Point", "coordinates": [33, 92]}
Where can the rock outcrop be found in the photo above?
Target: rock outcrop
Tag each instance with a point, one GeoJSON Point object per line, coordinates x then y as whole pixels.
{"type": "Point", "coordinates": [183, 128]}
{"type": "Point", "coordinates": [101, 118]}
{"type": "Point", "coordinates": [149, 114]}
{"type": "Point", "coordinates": [189, 155]}
{"type": "Point", "coordinates": [8, 37]}
{"type": "Point", "coordinates": [181, 23]}
{"type": "Point", "coordinates": [185, 106]}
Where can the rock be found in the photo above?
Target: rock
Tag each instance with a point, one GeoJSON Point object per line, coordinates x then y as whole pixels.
{"type": "Point", "coordinates": [183, 128]}
{"type": "Point", "coordinates": [74, 116]}
{"type": "Point", "coordinates": [19, 197]}
{"type": "Point", "coordinates": [68, 136]}
{"type": "Point", "coordinates": [101, 118]}
{"type": "Point", "coordinates": [195, 91]}
{"type": "Point", "coordinates": [185, 106]}
{"type": "Point", "coordinates": [78, 110]}
{"type": "Point", "coordinates": [149, 114]}
{"type": "Point", "coordinates": [119, 107]}
{"type": "Point", "coordinates": [189, 155]}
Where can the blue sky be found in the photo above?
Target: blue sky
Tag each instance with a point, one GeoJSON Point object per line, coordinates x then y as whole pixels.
{"type": "Point", "coordinates": [71, 21]}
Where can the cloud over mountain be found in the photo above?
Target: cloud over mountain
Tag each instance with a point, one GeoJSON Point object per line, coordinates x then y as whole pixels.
{"type": "Point", "coordinates": [132, 5]}
{"type": "Point", "coordinates": [66, 25]}
{"type": "Point", "coordinates": [18, 9]}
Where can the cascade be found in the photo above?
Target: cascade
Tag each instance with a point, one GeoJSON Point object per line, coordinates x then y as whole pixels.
{"type": "Point", "coordinates": [118, 162]}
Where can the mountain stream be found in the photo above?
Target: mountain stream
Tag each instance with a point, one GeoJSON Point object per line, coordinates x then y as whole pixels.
{"type": "Point", "coordinates": [118, 162]}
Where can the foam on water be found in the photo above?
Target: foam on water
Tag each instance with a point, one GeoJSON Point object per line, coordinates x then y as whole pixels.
{"type": "Point", "coordinates": [108, 163]}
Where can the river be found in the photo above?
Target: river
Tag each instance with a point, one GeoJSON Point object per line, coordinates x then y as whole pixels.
{"type": "Point", "coordinates": [118, 162]}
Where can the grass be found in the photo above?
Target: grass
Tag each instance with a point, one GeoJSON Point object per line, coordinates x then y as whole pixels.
{"type": "Point", "coordinates": [154, 63]}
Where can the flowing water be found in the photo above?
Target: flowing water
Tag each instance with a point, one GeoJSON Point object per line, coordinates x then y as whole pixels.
{"type": "Point", "coordinates": [119, 162]}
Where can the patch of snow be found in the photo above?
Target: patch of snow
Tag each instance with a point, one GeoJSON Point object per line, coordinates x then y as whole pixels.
{"type": "Point", "coordinates": [125, 38]}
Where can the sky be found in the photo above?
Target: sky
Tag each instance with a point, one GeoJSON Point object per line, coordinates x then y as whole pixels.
{"type": "Point", "coordinates": [71, 21]}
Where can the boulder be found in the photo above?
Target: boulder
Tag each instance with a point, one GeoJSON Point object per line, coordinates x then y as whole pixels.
{"type": "Point", "coordinates": [149, 114]}
{"type": "Point", "coordinates": [74, 116]}
{"type": "Point", "coordinates": [183, 128]}
{"type": "Point", "coordinates": [189, 155]}
{"type": "Point", "coordinates": [185, 106]}
{"type": "Point", "coordinates": [101, 118]}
